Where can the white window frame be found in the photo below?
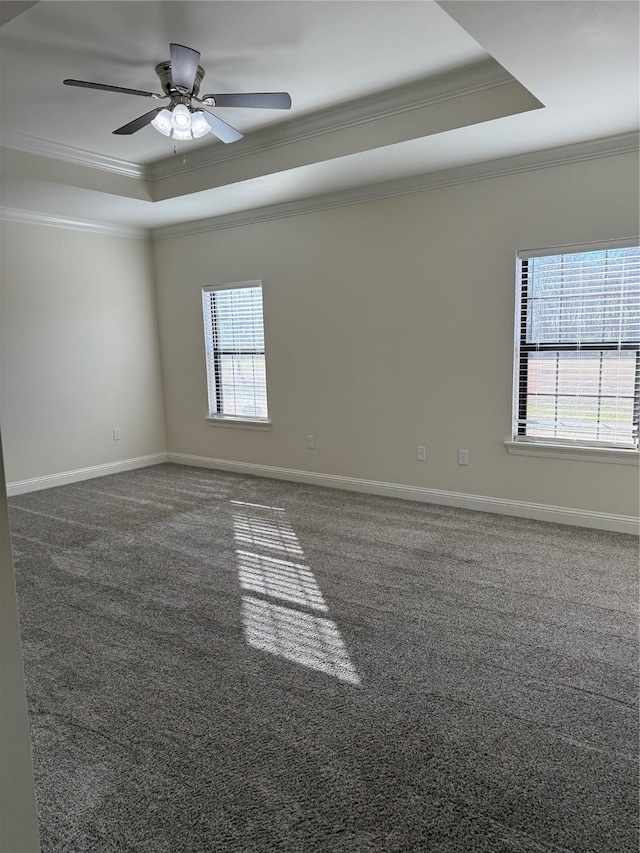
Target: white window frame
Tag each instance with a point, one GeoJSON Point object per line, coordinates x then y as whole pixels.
{"type": "Point", "coordinates": [216, 417]}
{"type": "Point", "coordinates": [525, 445]}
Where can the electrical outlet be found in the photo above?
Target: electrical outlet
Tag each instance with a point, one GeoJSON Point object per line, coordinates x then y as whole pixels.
{"type": "Point", "coordinates": [116, 433]}
{"type": "Point", "coordinates": [421, 453]}
{"type": "Point", "coordinates": [463, 457]}
{"type": "Point", "coordinates": [310, 442]}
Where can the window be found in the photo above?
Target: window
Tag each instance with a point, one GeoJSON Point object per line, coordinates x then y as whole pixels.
{"type": "Point", "coordinates": [577, 350]}
{"type": "Point", "coordinates": [234, 343]}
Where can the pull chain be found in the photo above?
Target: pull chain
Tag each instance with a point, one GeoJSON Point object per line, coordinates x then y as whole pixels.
{"type": "Point", "coordinates": [184, 156]}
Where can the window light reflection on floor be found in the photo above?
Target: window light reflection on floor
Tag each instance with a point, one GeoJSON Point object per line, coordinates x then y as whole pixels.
{"type": "Point", "coordinates": [258, 506]}
{"type": "Point", "coordinates": [301, 634]}
{"type": "Point", "coordinates": [279, 579]}
{"type": "Point", "coordinates": [304, 638]}
{"type": "Point", "coordinates": [274, 534]}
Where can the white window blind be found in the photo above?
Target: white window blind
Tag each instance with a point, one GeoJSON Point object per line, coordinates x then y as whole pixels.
{"type": "Point", "coordinates": [234, 343]}
{"type": "Point", "coordinates": [577, 348]}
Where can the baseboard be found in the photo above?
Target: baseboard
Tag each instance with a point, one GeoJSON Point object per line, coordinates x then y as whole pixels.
{"type": "Point", "coordinates": [521, 509]}
{"type": "Point", "coordinates": [501, 506]}
{"type": "Point", "coordinates": [66, 477]}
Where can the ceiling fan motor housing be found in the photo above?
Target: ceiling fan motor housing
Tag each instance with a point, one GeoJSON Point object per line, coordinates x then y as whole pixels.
{"type": "Point", "coordinates": [163, 70]}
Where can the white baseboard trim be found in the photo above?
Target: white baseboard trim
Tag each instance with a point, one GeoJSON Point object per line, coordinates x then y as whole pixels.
{"type": "Point", "coordinates": [20, 487]}
{"type": "Point", "coordinates": [502, 506]}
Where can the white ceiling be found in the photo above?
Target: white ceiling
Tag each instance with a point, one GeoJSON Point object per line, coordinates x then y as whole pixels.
{"type": "Point", "coordinates": [321, 53]}
{"type": "Point", "coordinates": [381, 91]}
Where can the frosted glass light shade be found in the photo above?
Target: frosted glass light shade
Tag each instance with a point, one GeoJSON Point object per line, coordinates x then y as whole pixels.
{"type": "Point", "coordinates": [162, 122]}
{"type": "Point", "coordinates": [181, 134]}
{"type": "Point", "coordinates": [181, 118]}
{"type": "Point", "coordinates": [199, 125]}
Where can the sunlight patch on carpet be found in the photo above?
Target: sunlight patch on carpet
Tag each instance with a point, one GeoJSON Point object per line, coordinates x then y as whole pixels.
{"type": "Point", "coordinates": [279, 579]}
{"type": "Point", "coordinates": [299, 634]}
{"type": "Point", "coordinates": [274, 534]}
{"type": "Point", "coordinates": [303, 638]}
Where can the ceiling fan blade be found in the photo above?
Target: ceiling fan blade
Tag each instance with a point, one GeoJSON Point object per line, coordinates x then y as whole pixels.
{"type": "Point", "coordinates": [254, 100]}
{"type": "Point", "coordinates": [137, 123]}
{"type": "Point", "coordinates": [84, 84]}
{"type": "Point", "coordinates": [221, 129]}
{"type": "Point", "coordinates": [184, 65]}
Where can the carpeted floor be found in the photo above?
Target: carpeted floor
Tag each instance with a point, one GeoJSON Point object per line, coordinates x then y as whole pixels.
{"type": "Point", "coordinates": [218, 662]}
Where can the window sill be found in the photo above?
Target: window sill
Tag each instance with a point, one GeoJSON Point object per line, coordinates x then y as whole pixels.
{"type": "Point", "coordinates": [580, 454]}
{"type": "Point", "coordinates": [239, 423]}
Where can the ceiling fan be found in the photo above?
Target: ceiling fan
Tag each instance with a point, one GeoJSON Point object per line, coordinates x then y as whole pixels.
{"type": "Point", "coordinates": [180, 78]}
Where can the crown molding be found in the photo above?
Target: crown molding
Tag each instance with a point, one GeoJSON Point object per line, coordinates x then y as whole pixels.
{"type": "Point", "coordinates": [68, 154]}
{"type": "Point", "coordinates": [479, 76]}
{"type": "Point", "coordinates": [609, 146]}
{"type": "Point", "coordinates": [32, 217]}
{"type": "Point", "coordinates": [596, 149]}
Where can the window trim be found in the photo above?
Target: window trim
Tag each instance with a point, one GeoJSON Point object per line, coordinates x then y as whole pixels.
{"type": "Point", "coordinates": [526, 445]}
{"type": "Point", "coordinates": [577, 248]}
{"type": "Point", "coordinates": [574, 452]}
{"type": "Point", "coordinates": [239, 423]}
{"type": "Point", "coordinates": [219, 419]}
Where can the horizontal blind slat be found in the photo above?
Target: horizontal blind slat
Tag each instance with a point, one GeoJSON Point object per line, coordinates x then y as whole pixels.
{"type": "Point", "coordinates": [236, 369]}
{"type": "Point", "coordinates": [578, 376]}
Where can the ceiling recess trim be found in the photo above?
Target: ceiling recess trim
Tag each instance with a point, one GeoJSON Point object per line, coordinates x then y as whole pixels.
{"type": "Point", "coordinates": [34, 217]}
{"type": "Point", "coordinates": [578, 152]}
{"type": "Point", "coordinates": [68, 154]}
{"type": "Point", "coordinates": [478, 77]}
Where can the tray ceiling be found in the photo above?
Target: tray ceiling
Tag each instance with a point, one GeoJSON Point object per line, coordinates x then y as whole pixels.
{"type": "Point", "coordinates": [381, 91]}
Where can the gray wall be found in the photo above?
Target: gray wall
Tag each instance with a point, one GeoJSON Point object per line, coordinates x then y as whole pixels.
{"type": "Point", "coordinates": [79, 352]}
{"type": "Point", "coordinates": [390, 324]}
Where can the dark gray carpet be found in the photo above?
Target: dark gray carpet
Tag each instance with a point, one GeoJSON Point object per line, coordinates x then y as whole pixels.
{"type": "Point", "coordinates": [326, 671]}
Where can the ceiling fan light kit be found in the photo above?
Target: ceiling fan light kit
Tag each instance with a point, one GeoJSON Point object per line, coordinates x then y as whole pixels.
{"type": "Point", "coordinates": [162, 122]}
{"type": "Point", "coordinates": [199, 125]}
{"type": "Point", "coordinates": [182, 123]}
{"type": "Point", "coordinates": [180, 79]}
{"type": "Point", "coordinates": [180, 118]}
{"type": "Point", "coordinates": [182, 135]}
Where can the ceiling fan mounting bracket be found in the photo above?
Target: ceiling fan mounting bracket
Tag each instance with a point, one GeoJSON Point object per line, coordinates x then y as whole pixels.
{"type": "Point", "coordinates": [163, 70]}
